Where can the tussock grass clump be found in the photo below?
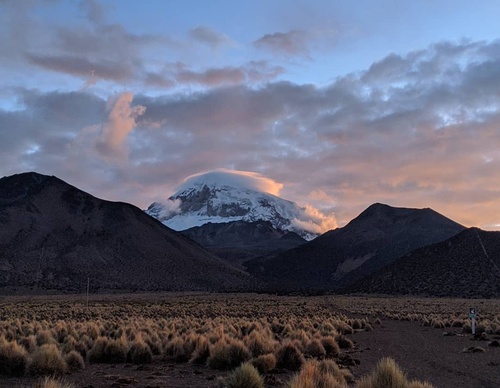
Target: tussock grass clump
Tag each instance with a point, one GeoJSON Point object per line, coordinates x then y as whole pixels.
{"type": "Point", "coordinates": [388, 374]}
{"type": "Point", "coordinates": [47, 360]}
{"type": "Point", "coordinates": [227, 354]}
{"type": "Point", "coordinates": [45, 337]}
{"type": "Point", "coordinates": [257, 345]}
{"type": "Point", "coordinates": [179, 350]}
{"type": "Point", "coordinates": [51, 382]}
{"type": "Point", "coordinates": [344, 342]}
{"type": "Point", "coordinates": [140, 352]}
{"type": "Point", "coordinates": [74, 361]}
{"type": "Point", "coordinates": [13, 358]}
{"type": "Point", "coordinates": [29, 343]}
{"type": "Point", "coordinates": [315, 349]}
{"type": "Point", "coordinates": [108, 351]}
{"type": "Point", "coordinates": [288, 356]}
{"type": "Point", "coordinates": [331, 347]}
{"type": "Point", "coordinates": [264, 363]}
{"type": "Point", "coordinates": [201, 351]}
{"type": "Point", "coordinates": [245, 376]}
{"type": "Point", "coordinates": [315, 374]}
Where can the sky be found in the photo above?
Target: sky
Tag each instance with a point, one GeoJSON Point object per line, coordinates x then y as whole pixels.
{"type": "Point", "coordinates": [339, 104]}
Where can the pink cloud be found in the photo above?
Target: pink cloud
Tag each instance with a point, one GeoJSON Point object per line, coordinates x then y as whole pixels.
{"type": "Point", "coordinates": [121, 121]}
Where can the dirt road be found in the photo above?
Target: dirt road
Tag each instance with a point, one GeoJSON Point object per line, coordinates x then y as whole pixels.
{"type": "Point", "coordinates": [425, 353]}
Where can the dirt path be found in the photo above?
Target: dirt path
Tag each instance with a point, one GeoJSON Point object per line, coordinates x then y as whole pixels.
{"type": "Point", "coordinates": [424, 353]}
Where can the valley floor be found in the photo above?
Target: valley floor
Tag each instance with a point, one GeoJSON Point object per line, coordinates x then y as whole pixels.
{"type": "Point", "coordinates": [410, 330]}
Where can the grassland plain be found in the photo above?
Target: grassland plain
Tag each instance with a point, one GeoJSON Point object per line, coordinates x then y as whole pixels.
{"type": "Point", "coordinates": [246, 340]}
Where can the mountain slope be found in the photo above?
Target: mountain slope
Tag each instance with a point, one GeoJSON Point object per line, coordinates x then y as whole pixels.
{"type": "Point", "coordinates": [240, 241]}
{"type": "Point", "coordinates": [378, 236]}
{"type": "Point", "coordinates": [53, 235]}
{"type": "Point", "coordinates": [466, 265]}
{"type": "Point", "coordinates": [221, 197]}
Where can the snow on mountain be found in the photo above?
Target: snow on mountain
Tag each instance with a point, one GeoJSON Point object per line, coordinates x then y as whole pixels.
{"type": "Point", "coordinates": [225, 196]}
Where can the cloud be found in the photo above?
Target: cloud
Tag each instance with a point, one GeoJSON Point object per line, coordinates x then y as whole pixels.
{"type": "Point", "coordinates": [83, 67]}
{"type": "Point", "coordinates": [234, 178]}
{"type": "Point", "coordinates": [121, 121]}
{"type": "Point", "coordinates": [211, 38]}
{"type": "Point", "coordinates": [315, 221]}
{"type": "Point", "coordinates": [253, 72]}
{"type": "Point", "coordinates": [170, 208]}
{"type": "Point", "coordinates": [293, 43]}
{"type": "Point", "coordinates": [417, 130]}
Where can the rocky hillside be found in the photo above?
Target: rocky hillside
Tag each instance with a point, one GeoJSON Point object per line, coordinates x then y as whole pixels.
{"type": "Point", "coordinates": [55, 236]}
{"type": "Point", "coordinates": [466, 265]}
{"type": "Point", "coordinates": [239, 241]}
{"type": "Point", "coordinates": [377, 237]}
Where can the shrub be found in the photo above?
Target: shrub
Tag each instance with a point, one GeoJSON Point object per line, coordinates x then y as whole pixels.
{"type": "Point", "coordinates": [45, 337]}
{"type": "Point", "coordinates": [47, 360]}
{"type": "Point", "coordinates": [116, 351]}
{"type": "Point", "coordinates": [140, 352]}
{"type": "Point", "coordinates": [388, 374]}
{"type": "Point", "coordinates": [314, 375]}
{"type": "Point", "coordinates": [178, 349]}
{"type": "Point", "coordinates": [13, 358]}
{"type": "Point", "coordinates": [246, 376]}
{"type": "Point", "coordinates": [108, 351]}
{"type": "Point", "coordinates": [74, 361]}
{"type": "Point", "coordinates": [201, 351]}
{"type": "Point", "coordinates": [256, 344]}
{"type": "Point", "coordinates": [96, 354]}
{"type": "Point", "coordinates": [289, 357]}
{"type": "Point", "coordinates": [315, 349]}
{"type": "Point", "coordinates": [341, 375]}
{"type": "Point", "coordinates": [331, 347]}
{"type": "Point", "coordinates": [50, 382]}
{"type": "Point", "coordinates": [344, 342]}
{"type": "Point", "coordinates": [29, 343]}
{"type": "Point", "coordinates": [264, 363]}
{"type": "Point", "coordinates": [227, 354]}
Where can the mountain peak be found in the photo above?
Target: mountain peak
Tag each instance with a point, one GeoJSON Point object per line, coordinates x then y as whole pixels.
{"type": "Point", "coordinates": [227, 196]}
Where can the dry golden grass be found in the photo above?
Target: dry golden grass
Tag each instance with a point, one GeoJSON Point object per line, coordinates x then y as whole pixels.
{"type": "Point", "coordinates": [219, 330]}
{"type": "Point", "coordinates": [51, 382]}
{"type": "Point", "coordinates": [388, 374]}
{"type": "Point", "coordinates": [319, 374]}
{"type": "Point", "coordinates": [245, 376]}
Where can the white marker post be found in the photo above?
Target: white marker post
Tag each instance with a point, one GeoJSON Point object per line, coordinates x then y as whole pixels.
{"type": "Point", "coordinates": [472, 316]}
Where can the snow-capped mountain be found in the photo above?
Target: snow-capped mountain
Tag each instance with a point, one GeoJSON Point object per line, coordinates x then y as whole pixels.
{"type": "Point", "coordinates": [223, 196]}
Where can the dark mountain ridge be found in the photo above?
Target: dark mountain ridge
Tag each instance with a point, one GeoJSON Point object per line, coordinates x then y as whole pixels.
{"type": "Point", "coordinates": [239, 241]}
{"type": "Point", "coordinates": [378, 236]}
{"type": "Point", "coordinates": [53, 235]}
{"type": "Point", "coordinates": [465, 265]}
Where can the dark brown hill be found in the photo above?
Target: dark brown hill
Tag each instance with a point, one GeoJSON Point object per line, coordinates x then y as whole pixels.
{"type": "Point", "coordinates": [466, 265]}
{"type": "Point", "coordinates": [240, 241]}
{"type": "Point", "coordinates": [377, 237]}
{"type": "Point", "coordinates": [55, 236]}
